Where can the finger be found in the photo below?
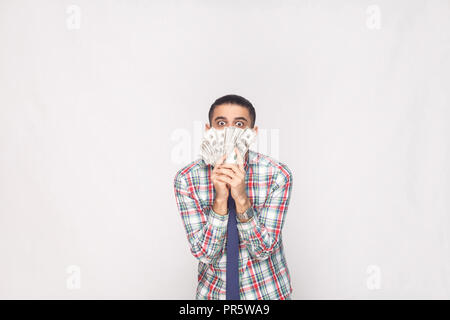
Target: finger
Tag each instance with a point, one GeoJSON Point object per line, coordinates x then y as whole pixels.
{"type": "Point", "coordinates": [227, 174]}
{"type": "Point", "coordinates": [216, 181]}
{"type": "Point", "coordinates": [232, 167]}
{"type": "Point", "coordinates": [221, 174]}
{"type": "Point", "coordinates": [219, 162]}
{"type": "Point", "coordinates": [225, 178]}
{"type": "Point", "coordinates": [240, 159]}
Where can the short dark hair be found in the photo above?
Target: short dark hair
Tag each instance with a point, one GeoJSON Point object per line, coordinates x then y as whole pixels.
{"type": "Point", "coordinates": [234, 99]}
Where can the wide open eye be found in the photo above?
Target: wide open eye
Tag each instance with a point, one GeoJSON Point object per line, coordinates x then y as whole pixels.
{"type": "Point", "coordinates": [239, 124]}
{"type": "Point", "coordinates": [221, 123]}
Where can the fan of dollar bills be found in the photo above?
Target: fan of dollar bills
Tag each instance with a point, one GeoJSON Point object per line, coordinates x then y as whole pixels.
{"type": "Point", "coordinates": [218, 142]}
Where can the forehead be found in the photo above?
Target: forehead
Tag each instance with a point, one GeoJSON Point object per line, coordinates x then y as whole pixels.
{"type": "Point", "coordinates": [230, 111]}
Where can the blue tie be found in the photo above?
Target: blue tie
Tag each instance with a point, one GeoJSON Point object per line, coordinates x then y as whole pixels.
{"type": "Point", "coordinates": [232, 279]}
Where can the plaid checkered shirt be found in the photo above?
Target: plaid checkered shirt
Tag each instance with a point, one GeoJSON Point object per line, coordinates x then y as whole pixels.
{"type": "Point", "coordinates": [263, 271]}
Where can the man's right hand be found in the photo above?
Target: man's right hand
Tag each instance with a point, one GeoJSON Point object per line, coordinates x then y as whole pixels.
{"type": "Point", "coordinates": [220, 205]}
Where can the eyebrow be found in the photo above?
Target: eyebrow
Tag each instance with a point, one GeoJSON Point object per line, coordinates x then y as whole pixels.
{"type": "Point", "coordinates": [223, 118]}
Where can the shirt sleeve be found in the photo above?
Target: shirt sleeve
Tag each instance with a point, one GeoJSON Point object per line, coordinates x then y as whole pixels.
{"type": "Point", "coordinates": [205, 229]}
{"type": "Point", "coordinates": [262, 232]}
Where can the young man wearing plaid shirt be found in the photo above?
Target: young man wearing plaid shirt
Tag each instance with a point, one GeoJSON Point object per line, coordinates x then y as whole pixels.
{"type": "Point", "coordinates": [260, 187]}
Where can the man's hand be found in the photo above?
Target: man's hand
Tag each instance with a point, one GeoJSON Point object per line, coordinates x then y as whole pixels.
{"type": "Point", "coordinates": [221, 200]}
{"type": "Point", "coordinates": [234, 176]}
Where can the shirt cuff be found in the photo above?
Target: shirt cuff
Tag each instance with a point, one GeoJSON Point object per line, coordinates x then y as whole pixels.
{"type": "Point", "coordinates": [217, 220]}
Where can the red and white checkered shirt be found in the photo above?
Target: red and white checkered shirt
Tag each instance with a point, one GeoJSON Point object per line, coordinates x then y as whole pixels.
{"type": "Point", "coordinates": [263, 271]}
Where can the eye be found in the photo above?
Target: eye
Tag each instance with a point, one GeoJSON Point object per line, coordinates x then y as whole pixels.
{"type": "Point", "coordinates": [221, 123]}
{"type": "Point", "coordinates": [239, 124]}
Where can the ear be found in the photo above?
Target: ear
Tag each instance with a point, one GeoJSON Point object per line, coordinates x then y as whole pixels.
{"type": "Point", "coordinates": [207, 126]}
{"type": "Point", "coordinates": [256, 129]}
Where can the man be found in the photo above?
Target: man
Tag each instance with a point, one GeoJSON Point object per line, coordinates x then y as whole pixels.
{"type": "Point", "coordinates": [249, 199]}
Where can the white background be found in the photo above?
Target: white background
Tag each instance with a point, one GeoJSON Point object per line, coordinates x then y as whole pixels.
{"type": "Point", "coordinates": [99, 98]}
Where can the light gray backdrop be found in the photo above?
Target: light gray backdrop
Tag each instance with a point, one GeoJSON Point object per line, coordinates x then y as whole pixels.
{"type": "Point", "coordinates": [101, 102]}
